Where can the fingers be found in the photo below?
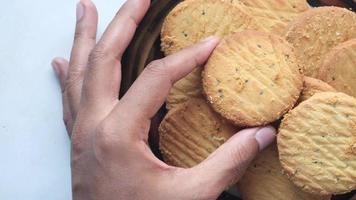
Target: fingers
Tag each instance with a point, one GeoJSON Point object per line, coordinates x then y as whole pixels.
{"type": "Point", "coordinates": [84, 41]}
{"type": "Point", "coordinates": [149, 91]}
{"type": "Point", "coordinates": [102, 82]}
{"type": "Point", "coordinates": [228, 163]}
{"type": "Point", "coordinates": [60, 67]}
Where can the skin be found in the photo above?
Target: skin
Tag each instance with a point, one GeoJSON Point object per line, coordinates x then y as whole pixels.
{"type": "Point", "coordinates": [110, 158]}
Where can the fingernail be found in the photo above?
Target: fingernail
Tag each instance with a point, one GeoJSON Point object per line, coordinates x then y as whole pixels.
{"type": "Point", "coordinates": [265, 136]}
{"type": "Point", "coordinates": [80, 11]}
{"type": "Point", "coordinates": [210, 38]}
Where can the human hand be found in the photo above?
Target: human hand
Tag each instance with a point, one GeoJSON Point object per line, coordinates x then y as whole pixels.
{"type": "Point", "coordinates": [110, 156]}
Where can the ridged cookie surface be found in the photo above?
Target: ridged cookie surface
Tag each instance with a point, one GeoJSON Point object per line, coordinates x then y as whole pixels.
{"type": "Point", "coordinates": [339, 68]}
{"type": "Point", "coordinates": [191, 21]}
{"type": "Point", "coordinates": [313, 86]}
{"type": "Point", "coordinates": [190, 132]}
{"type": "Point", "coordinates": [252, 78]}
{"type": "Point", "coordinates": [275, 15]}
{"type": "Point", "coordinates": [316, 31]}
{"type": "Point", "coordinates": [317, 144]}
{"type": "Point", "coordinates": [264, 180]}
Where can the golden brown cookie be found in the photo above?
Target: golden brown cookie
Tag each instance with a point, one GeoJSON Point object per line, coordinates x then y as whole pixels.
{"type": "Point", "coordinates": [184, 89]}
{"type": "Point", "coordinates": [317, 144]}
{"type": "Point", "coordinates": [190, 132]}
{"type": "Point", "coordinates": [339, 68]}
{"type": "Point", "coordinates": [273, 15]}
{"type": "Point", "coordinates": [191, 21]}
{"type": "Point", "coordinates": [316, 31]}
{"type": "Point", "coordinates": [252, 78]}
{"type": "Point", "coordinates": [313, 86]}
{"type": "Point", "coordinates": [264, 180]}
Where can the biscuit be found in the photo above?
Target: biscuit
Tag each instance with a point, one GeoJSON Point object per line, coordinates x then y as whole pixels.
{"type": "Point", "coordinates": [190, 132]}
{"type": "Point", "coordinates": [317, 144]}
{"type": "Point", "coordinates": [188, 23]}
{"type": "Point", "coordinates": [339, 68]}
{"type": "Point", "coordinates": [252, 78]}
{"type": "Point", "coordinates": [184, 89]}
{"type": "Point", "coordinates": [273, 15]}
{"type": "Point", "coordinates": [313, 86]}
{"type": "Point", "coordinates": [264, 179]}
{"type": "Point", "coordinates": [316, 31]}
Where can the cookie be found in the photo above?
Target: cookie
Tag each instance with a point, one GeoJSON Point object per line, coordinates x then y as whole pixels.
{"type": "Point", "coordinates": [318, 30]}
{"type": "Point", "coordinates": [190, 132]}
{"type": "Point", "coordinates": [317, 144]}
{"type": "Point", "coordinates": [339, 68]}
{"type": "Point", "coordinates": [313, 86]}
{"type": "Point", "coordinates": [252, 78]}
{"type": "Point", "coordinates": [273, 15]}
{"type": "Point", "coordinates": [264, 180]}
{"type": "Point", "coordinates": [184, 89]}
{"type": "Point", "coordinates": [191, 21]}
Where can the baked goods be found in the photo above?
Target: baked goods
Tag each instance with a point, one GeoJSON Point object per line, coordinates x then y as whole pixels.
{"type": "Point", "coordinates": [184, 89]}
{"type": "Point", "coordinates": [313, 86]}
{"type": "Point", "coordinates": [190, 132]}
{"type": "Point", "coordinates": [317, 144]}
{"type": "Point", "coordinates": [191, 21]}
{"type": "Point", "coordinates": [316, 31]}
{"type": "Point", "coordinates": [252, 78]}
{"type": "Point", "coordinates": [339, 68]}
{"type": "Point", "coordinates": [273, 15]}
{"type": "Point", "coordinates": [264, 180]}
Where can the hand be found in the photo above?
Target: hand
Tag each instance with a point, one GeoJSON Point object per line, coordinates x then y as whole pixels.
{"type": "Point", "coordinates": [110, 155]}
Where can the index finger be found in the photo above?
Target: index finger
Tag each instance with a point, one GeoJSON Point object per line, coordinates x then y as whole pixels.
{"type": "Point", "coordinates": [149, 91]}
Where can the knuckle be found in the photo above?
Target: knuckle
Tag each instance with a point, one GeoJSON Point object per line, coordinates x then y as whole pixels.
{"type": "Point", "coordinates": [102, 137]}
{"type": "Point", "coordinates": [158, 68]}
{"type": "Point", "coordinates": [241, 158]}
{"type": "Point", "coordinates": [96, 55]}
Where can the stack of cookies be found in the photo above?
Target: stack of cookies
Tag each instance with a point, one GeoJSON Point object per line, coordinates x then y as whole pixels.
{"type": "Point", "coordinates": [277, 60]}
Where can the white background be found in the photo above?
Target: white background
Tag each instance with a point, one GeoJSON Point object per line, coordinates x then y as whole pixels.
{"type": "Point", "coordinates": [34, 147]}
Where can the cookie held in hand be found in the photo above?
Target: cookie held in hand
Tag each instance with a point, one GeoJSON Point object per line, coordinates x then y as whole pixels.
{"type": "Point", "coordinates": [252, 78]}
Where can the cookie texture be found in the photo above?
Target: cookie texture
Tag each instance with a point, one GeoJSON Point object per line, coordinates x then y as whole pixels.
{"type": "Point", "coordinates": [339, 68]}
{"type": "Point", "coordinates": [190, 132]}
{"type": "Point", "coordinates": [315, 32]}
{"type": "Point", "coordinates": [188, 87]}
{"type": "Point", "coordinates": [252, 78]}
{"type": "Point", "coordinates": [313, 86]}
{"type": "Point", "coordinates": [191, 21]}
{"type": "Point", "coordinates": [317, 144]}
{"type": "Point", "coordinates": [273, 15]}
{"type": "Point", "coordinates": [264, 180]}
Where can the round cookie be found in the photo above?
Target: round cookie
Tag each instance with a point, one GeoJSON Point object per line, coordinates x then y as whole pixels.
{"type": "Point", "coordinates": [191, 21]}
{"type": "Point", "coordinates": [190, 132]}
{"type": "Point", "coordinates": [317, 144]}
{"type": "Point", "coordinates": [313, 86]}
{"type": "Point", "coordinates": [273, 15]}
{"type": "Point", "coordinates": [264, 180]}
{"type": "Point", "coordinates": [316, 31]}
{"type": "Point", "coordinates": [252, 78]}
{"type": "Point", "coordinates": [339, 68]}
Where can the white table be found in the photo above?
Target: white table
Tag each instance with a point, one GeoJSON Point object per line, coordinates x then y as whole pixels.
{"type": "Point", "coordinates": [34, 147]}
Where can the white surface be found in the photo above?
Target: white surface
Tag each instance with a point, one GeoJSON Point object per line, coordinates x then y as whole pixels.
{"type": "Point", "coordinates": [34, 147]}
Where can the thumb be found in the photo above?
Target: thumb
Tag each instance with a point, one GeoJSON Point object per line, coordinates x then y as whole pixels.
{"type": "Point", "coordinates": [228, 163]}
